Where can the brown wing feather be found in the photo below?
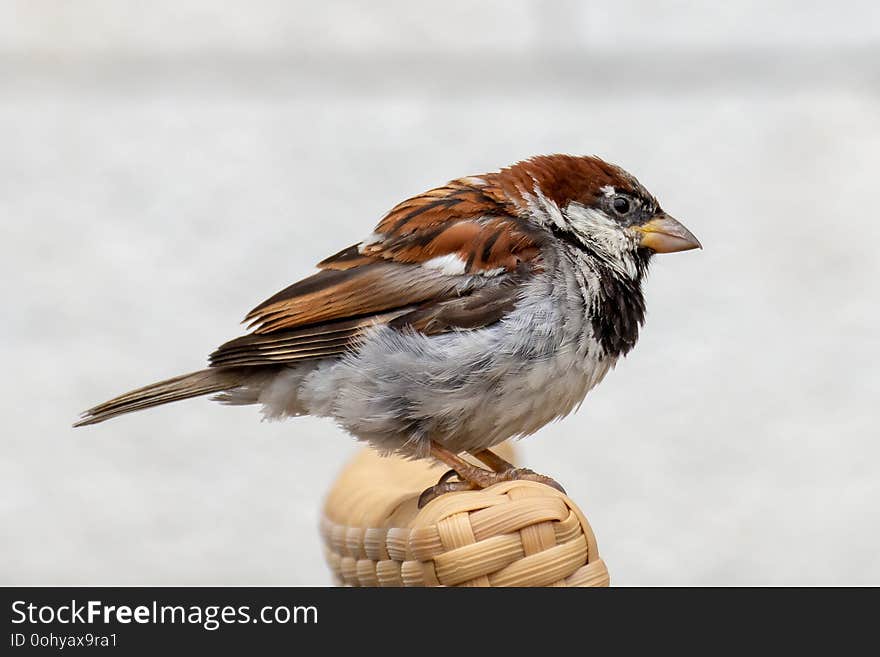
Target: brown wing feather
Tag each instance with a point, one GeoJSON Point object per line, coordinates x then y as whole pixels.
{"type": "Point", "coordinates": [480, 308]}
{"type": "Point", "coordinates": [383, 281]}
{"type": "Point", "coordinates": [328, 339]}
{"type": "Point", "coordinates": [330, 295]}
{"type": "Point", "coordinates": [469, 218]}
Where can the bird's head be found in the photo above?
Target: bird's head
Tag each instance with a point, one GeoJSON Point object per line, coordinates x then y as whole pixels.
{"type": "Point", "coordinates": [597, 206]}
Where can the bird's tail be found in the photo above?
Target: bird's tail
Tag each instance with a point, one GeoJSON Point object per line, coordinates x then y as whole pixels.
{"type": "Point", "coordinates": [203, 382]}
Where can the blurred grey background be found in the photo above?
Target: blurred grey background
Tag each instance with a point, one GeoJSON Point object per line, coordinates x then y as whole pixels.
{"type": "Point", "coordinates": [165, 166]}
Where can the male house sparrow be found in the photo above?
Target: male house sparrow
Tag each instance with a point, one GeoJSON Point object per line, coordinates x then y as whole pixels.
{"type": "Point", "coordinates": [475, 312]}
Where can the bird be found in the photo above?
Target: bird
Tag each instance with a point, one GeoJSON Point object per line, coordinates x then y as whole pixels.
{"type": "Point", "coordinates": [475, 312]}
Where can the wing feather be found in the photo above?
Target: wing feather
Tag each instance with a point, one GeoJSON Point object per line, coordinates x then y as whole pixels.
{"type": "Point", "coordinates": [369, 289]}
{"type": "Point", "coordinates": [452, 258]}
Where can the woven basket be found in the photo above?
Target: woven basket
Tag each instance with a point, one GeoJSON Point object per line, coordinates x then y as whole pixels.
{"type": "Point", "coordinates": [518, 533]}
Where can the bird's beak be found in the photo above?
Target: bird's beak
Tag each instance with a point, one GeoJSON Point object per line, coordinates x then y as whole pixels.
{"type": "Point", "coordinates": [663, 234]}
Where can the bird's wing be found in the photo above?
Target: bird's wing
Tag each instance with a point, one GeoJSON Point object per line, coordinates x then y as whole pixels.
{"type": "Point", "coordinates": [451, 258]}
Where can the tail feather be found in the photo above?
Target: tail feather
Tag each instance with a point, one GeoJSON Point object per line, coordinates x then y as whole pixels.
{"type": "Point", "coordinates": [203, 382]}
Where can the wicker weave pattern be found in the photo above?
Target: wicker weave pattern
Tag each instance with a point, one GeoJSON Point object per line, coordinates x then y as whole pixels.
{"type": "Point", "coordinates": [511, 534]}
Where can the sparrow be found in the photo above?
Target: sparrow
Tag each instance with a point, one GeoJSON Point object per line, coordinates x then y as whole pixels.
{"type": "Point", "coordinates": [474, 312]}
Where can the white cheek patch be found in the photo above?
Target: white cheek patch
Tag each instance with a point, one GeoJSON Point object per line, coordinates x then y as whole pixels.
{"type": "Point", "coordinates": [590, 221]}
{"type": "Point", "coordinates": [449, 264]}
{"type": "Point", "coordinates": [604, 234]}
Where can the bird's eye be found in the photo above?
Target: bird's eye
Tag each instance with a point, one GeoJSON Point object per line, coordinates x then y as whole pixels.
{"type": "Point", "coordinates": [620, 204]}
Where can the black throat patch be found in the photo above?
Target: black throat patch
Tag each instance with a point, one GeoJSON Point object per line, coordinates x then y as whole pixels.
{"type": "Point", "coordinates": [619, 311]}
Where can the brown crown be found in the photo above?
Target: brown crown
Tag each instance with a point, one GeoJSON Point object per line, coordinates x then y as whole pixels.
{"type": "Point", "coordinates": [562, 178]}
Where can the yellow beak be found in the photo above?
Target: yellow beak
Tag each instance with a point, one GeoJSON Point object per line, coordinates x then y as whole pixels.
{"type": "Point", "coordinates": [663, 234]}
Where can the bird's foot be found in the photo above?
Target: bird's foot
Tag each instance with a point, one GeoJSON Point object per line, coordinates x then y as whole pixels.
{"type": "Point", "coordinates": [471, 477]}
{"type": "Point", "coordinates": [507, 471]}
{"type": "Point", "coordinates": [444, 486]}
{"type": "Point", "coordinates": [524, 474]}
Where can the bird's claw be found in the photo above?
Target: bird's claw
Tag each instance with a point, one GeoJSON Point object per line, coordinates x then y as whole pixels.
{"type": "Point", "coordinates": [524, 474]}
{"type": "Point", "coordinates": [444, 485]}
